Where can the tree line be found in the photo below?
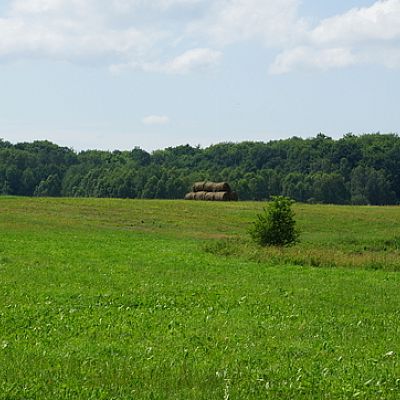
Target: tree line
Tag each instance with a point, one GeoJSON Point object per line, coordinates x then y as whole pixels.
{"type": "Point", "coordinates": [351, 170]}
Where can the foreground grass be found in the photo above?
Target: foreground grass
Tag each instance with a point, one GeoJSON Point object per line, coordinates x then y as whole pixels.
{"type": "Point", "coordinates": [121, 299]}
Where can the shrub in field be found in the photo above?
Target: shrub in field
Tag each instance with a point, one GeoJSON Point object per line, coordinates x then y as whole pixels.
{"type": "Point", "coordinates": [276, 226]}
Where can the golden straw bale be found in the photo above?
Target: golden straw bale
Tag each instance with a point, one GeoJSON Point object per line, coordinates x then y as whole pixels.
{"type": "Point", "coordinates": [221, 196]}
{"type": "Point", "coordinates": [210, 196]}
{"type": "Point", "coordinates": [190, 196]}
{"type": "Point", "coordinates": [209, 186]}
{"type": "Point", "coordinates": [199, 186]}
{"type": "Point", "coordinates": [222, 187]}
{"type": "Point", "coordinates": [200, 195]}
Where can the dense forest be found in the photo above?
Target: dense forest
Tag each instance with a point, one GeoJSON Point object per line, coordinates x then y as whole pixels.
{"type": "Point", "coordinates": [352, 170]}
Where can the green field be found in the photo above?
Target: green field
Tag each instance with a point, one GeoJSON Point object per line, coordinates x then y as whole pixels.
{"type": "Point", "coordinates": [131, 299]}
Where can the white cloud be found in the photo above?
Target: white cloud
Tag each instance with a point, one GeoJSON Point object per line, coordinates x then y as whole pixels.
{"type": "Point", "coordinates": [229, 21]}
{"type": "Point", "coordinates": [189, 61]}
{"type": "Point", "coordinates": [164, 4]}
{"type": "Point", "coordinates": [379, 22]}
{"type": "Point", "coordinates": [181, 36]}
{"type": "Point", "coordinates": [193, 60]}
{"type": "Point", "coordinates": [20, 39]}
{"type": "Point", "coordinates": [119, 33]}
{"type": "Point", "coordinates": [307, 57]}
{"type": "Point", "coordinates": [72, 30]}
{"type": "Point", "coordinates": [156, 120]}
{"type": "Point", "coordinates": [36, 6]}
{"type": "Point", "coordinates": [368, 35]}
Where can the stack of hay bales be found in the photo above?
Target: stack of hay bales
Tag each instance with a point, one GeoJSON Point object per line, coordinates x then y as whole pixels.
{"type": "Point", "coordinates": [212, 191]}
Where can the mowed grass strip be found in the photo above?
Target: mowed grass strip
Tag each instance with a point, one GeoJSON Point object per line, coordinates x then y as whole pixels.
{"type": "Point", "coordinates": [118, 299]}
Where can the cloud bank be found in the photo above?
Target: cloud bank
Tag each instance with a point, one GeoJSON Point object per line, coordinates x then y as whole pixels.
{"type": "Point", "coordinates": [368, 35]}
{"type": "Point", "coordinates": [182, 36]}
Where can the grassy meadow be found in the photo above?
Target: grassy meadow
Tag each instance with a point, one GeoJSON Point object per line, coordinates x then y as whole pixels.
{"type": "Point", "coordinates": [135, 299]}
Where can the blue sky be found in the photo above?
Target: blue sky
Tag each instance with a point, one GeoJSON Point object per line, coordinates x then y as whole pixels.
{"type": "Point", "coordinates": [115, 74]}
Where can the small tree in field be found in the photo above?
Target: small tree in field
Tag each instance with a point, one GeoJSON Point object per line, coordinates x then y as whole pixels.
{"type": "Point", "coordinates": [276, 226]}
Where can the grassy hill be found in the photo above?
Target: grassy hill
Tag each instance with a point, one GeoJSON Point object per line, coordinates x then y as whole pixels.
{"type": "Point", "coordinates": [122, 299]}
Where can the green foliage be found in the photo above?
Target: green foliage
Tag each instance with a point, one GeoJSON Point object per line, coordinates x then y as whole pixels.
{"type": "Point", "coordinates": [276, 226]}
{"type": "Point", "coordinates": [49, 187]}
{"type": "Point", "coordinates": [352, 170]}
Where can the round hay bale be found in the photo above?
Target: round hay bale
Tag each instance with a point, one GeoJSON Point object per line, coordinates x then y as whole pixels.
{"type": "Point", "coordinates": [210, 196]}
{"type": "Point", "coordinates": [221, 196]}
{"type": "Point", "coordinates": [209, 186]}
{"type": "Point", "coordinates": [216, 186]}
{"type": "Point", "coordinates": [199, 186]}
{"type": "Point", "coordinates": [222, 187]}
{"type": "Point", "coordinates": [190, 196]}
{"type": "Point", "coordinates": [200, 195]}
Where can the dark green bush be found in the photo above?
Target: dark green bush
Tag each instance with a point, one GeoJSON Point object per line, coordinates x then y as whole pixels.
{"type": "Point", "coordinates": [276, 226]}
